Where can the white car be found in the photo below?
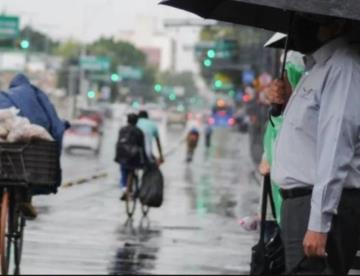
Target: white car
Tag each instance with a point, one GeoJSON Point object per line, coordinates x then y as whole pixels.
{"type": "Point", "coordinates": [83, 134]}
{"type": "Point", "coordinates": [176, 117]}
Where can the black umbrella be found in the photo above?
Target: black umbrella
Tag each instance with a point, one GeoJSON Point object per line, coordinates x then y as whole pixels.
{"type": "Point", "coordinates": [272, 15]}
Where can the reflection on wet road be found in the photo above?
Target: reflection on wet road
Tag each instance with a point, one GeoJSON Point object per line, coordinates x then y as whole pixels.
{"type": "Point", "coordinates": [84, 230]}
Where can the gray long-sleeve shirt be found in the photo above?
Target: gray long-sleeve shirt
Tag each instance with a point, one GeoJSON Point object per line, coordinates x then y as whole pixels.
{"type": "Point", "coordinates": [319, 144]}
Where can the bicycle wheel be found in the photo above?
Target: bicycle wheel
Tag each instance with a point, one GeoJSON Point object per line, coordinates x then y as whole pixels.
{"type": "Point", "coordinates": [5, 233]}
{"type": "Point", "coordinates": [131, 197]}
{"type": "Point", "coordinates": [20, 225]}
{"type": "Point", "coordinates": [145, 210]}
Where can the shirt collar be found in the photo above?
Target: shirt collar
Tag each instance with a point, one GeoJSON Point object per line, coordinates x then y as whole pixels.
{"type": "Point", "coordinates": [323, 54]}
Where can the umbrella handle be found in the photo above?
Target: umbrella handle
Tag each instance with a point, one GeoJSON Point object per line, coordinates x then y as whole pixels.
{"type": "Point", "coordinates": [276, 109]}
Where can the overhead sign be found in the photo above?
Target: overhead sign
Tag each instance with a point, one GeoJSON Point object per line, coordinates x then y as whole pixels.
{"type": "Point", "coordinates": [9, 27]}
{"type": "Point", "coordinates": [94, 63]}
{"type": "Point", "coordinates": [248, 76]}
{"type": "Point", "coordinates": [130, 73]}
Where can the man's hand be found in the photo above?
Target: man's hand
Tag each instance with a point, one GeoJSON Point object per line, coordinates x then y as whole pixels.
{"type": "Point", "coordinates": [315, 244]}
{"type": "Point", "coordinates": [264, 168]}
{"type": "Point", "coordinates": [160, 161]}
{"type": "Point", "coordinates": [276, 93]}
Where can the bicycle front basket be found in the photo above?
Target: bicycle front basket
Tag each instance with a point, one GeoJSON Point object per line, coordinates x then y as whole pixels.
{"type": "Point", "coordinates": [35, 163]}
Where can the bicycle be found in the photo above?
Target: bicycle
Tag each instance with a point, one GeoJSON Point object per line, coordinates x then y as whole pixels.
{"type": "Point", "coordinates": [132, 195]}
{"type": "Point", "coordinates": [12, 224]}
{"type": "Point", "coordinates": [23, 166]}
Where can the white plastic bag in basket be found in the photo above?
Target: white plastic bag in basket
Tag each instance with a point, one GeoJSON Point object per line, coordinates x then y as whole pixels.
{"type": "Point", "coordinates": [3, 133]}
{"type": "Point", "coordinates": [7, 118]}
{"type": "Point", "coordinates": [27, 132]}
{"type": "Point", "coordinates": [17, 129]}
{"type": "Point", "coordinates": [37, 132]}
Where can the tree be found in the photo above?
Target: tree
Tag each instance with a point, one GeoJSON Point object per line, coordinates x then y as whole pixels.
{"type": "Point", "coordinates": [120, 52]}
{"type": "Point", "coordinates": [68, 50]}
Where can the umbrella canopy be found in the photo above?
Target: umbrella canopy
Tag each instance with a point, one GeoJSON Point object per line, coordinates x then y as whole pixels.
{"type": "Point", "coordinates": [278, 40]}
{"type": "Point", "coordinates": [267, 14]}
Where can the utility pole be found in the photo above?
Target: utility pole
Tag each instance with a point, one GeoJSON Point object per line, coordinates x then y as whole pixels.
{"type": "Point", "coordinates": [72, 89]}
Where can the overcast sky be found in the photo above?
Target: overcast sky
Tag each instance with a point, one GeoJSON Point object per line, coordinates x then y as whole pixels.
{"type": "Point", "coordinates": [86, 19]}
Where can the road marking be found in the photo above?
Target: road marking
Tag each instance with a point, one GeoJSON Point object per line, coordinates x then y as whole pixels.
{"type": "Point", "coordinates": [83, 180]}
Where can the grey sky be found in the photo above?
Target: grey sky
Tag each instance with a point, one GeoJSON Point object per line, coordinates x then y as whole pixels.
{"type": "Point", "coordinates": [85, 18]}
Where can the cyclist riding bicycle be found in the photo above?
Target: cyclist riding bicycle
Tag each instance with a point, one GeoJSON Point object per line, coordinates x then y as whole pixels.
{"type": "Point", "coordinates": [35, 106]}
{"type": "Point", "coordinates": [130, 151]}
{"type": "Point", "coordinates": [192, 141]}
{"type": "Point", "coordinates": [151, 132]}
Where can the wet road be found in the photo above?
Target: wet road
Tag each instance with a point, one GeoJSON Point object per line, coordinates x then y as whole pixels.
{"type": "Point", "coordinates": [83, 229]}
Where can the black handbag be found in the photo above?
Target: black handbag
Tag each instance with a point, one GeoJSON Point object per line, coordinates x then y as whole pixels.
{"type": "Point", "coordinates": [268, 256]}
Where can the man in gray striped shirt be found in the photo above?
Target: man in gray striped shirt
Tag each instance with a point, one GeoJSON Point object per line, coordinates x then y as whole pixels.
{"type": "Point", "coordinates": [317, 154]}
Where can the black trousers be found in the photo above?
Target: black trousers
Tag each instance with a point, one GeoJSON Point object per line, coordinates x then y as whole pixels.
{"type": "Point", "coordinates": [343, 239]}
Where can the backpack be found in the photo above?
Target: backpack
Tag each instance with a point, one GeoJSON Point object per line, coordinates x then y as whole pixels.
{"type": "Point", "coordinates": [128, 152]}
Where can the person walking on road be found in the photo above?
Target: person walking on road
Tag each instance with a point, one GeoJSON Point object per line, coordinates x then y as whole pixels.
{"type": "Point", "coordinates": [151, 132]}
{"type": "Point", "coordinates": [192, 140]}
{"type": "Point", "coordinates": [130, 151]}
{"type": "Point", "coordinates": [317, 152]}
{"type": "Point", "coordinates": [208, 135]}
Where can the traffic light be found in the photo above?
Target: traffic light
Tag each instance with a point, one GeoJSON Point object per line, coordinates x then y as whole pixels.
{"type": "Point", "coordinates": [115, 77]}
{"type": "Point", "coordinates": [232, 93]}
{"type": "Point", "coordinates": [158, 88]}
{"type": "Point", "coordinates": [208, 63]}
{"type": "Point", "coordinates": [136, 104]}
{"type": "Point", "coordinates": [91, 94]}
{"type": "Point", "coordinates": [25, 44]}
{"type": "Point", "coordinates": [180, 108]}
{"type": "Point", "coordinates": [172, 97]}
{"type": "Point", "coordinates": [218, 84]}
{"type": "Point", "coordinates": [211, 53]}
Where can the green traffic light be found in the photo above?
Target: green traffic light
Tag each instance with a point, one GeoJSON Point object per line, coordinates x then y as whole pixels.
{"type": "Point", "coordinates": [91, 94]}
{"type": "Point", "coordinates": [158, 88]}
{"type": "Point", "coordinates": [172, 97]}
{"type": "Point", "coordinates": [211, 53]}
{"type": "Point", "coordinates": [207, 63]}
{"type": "Point", "coordinates": [180, 108]}
{"type": "Point", "coordinates": [218, 84]}
{"type": "Point", "coordinates": [25, 44]}
{"type": "Point", "coordinates": [115, 77]}
{"type": "Point", "coordinates": [136, 105]}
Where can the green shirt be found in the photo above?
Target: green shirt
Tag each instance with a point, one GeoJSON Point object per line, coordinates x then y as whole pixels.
{"type": "Point", "coordinates": [151, 132]}
{"type": "Point", "coordinates": [269, 141]}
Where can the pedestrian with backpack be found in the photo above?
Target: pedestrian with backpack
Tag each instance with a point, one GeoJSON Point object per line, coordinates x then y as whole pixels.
{"type": "Point", "coordinates": [130, 151]}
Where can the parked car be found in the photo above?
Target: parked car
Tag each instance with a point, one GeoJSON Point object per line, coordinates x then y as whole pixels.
{"type": "Point", "coordinates": [176, 117]}
{"type": "Point", "coordinates": [83, 134]}
{"type": "Point", "coordinates": [95, 114]}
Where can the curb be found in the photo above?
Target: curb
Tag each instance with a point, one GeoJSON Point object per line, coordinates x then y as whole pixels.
{"type": "Point", "coordinates": [83, 180]}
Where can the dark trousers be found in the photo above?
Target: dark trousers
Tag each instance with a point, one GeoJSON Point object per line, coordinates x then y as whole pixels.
{"type": "Point", "coordinates": [342, 240]}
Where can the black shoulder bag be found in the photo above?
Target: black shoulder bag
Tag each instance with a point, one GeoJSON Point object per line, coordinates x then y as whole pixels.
{"type": "Point", "coordinates": [268, 256]}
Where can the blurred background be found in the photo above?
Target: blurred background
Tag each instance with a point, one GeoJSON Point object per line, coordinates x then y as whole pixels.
{"type": "Point", "coordinates": [99, 60]}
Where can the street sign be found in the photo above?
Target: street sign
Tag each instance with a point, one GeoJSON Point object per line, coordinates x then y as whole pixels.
{"type": "Point", "coordinates": [105, 93]}
{"type": "Point", "coordinates": [130, 73]}
{"type": "Point", "coordinates": [9, 27]}
{"type": "Point", "coordinates": [94, 63]}
{"type": "Point", "coordinates": [248, 76]}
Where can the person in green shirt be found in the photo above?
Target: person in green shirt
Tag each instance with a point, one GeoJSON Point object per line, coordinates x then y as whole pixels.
{"type": "Point", "coordinates": [294, 71]}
